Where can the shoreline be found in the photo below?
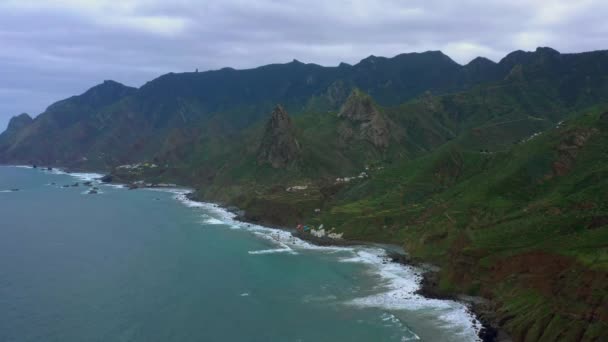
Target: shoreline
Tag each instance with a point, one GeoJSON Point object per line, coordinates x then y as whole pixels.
{"type": "Point", "coordinates": [487, 331]}
{"type": "Point", "coordinates": [480, 308]}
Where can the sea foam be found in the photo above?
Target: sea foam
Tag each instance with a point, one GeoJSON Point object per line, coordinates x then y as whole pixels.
{"type": "Point", "coordinates": [400, 284]}
{"type": "Point", "coordinates": [82, 176]}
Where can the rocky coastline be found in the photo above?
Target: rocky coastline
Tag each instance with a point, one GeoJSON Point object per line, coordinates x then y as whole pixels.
{"type": "Point", "coordinates": [482, 308]}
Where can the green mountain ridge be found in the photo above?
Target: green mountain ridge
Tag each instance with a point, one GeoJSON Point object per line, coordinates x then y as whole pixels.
{"type": "Point", "coordinates": [493, 171]}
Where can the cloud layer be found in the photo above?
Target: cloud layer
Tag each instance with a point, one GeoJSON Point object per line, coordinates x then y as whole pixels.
{"type": "Point", "coordinates": [52, 49]}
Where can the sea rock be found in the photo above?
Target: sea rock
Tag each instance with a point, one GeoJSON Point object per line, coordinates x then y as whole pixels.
{"type": "Point", "coordinates": [399, 258]}
{"type": "Point", "coordinates": [92, 192]}
{"type": "Point", "coordinates": [361, 110]}
{"type": "Point", "coordinates": [75, 185]}
{"type": "Point", "coordinates": [106, 179]}
{"type": "Point", "coordinates": [279, 146]}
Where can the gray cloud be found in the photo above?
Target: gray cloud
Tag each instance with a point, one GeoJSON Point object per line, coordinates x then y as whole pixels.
{"type": "Point", "coordinates": [55, 49]}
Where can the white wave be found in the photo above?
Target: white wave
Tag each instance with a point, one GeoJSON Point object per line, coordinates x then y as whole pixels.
{"type": "Point", "coordinates": [110, 185]}
{"type": "Point", "coordinates": [400, 283]}
{"type": "Point", "coordinates": [3, 191]}
{"type": "Point", "coordinates": [86, 177]}
{"type": "Point", "coordinates": [82, 176]}
{"type": "Point", "coordinates": [274, 251]}
{"type": "Point", "coordinates": [213, 221]}
{"type": "Point", "coordinates": [244, 294]}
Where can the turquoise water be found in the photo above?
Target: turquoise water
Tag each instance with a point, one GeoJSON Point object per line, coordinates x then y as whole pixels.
{"type": "Point", "coordinates": [144, 266]}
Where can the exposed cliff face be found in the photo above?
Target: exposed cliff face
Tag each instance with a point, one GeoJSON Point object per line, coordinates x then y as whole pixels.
{"type": "Point", "coordinates": [279, 146]}
{"type": "Point", "coordinates": [568, 151]}
{"type": "Point", "coordinates": [373, 126]}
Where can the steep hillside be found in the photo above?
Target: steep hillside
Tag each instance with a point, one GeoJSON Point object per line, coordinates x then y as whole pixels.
{"type": "Point", "coordinates": [526, 227]}
{"type": "Point", "coordinates": [493, 171]}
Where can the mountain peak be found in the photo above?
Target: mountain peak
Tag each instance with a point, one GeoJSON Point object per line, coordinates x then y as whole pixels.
{"type": "Point", "coordinates": [360, 108]}
{"type": "Point", "coordinates": [481, 61]}
{"type": "Point", "coordinates": [546, 51]}
{"type": "Point", "coordinates": [108, 86]}
{"type": "Point", "coordinates": [279, 146]}
{"type": "Point", "coordinates": [18, 122]}
{"type": "Point", "coordinates": [525, 57]}
{"type": "Point", "coordinates": [106, 92]}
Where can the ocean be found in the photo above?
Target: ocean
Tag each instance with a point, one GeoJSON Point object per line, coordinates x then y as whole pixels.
{"type": "Point", "coordinates": [150, 265]}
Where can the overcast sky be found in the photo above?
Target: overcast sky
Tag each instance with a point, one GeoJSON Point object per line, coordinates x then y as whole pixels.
{"type": "Point", "coordinates": [52, 49]}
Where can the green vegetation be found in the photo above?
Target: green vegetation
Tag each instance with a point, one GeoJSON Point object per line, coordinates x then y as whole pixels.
{"type": "Point", "coordinates": [496, 172]}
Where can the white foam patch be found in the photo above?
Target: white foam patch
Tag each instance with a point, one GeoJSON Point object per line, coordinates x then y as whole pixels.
{"type": "Point", "coordinates": [110, 185]}
{"type": "Point", "coordinates": [273, 251]}
{"type": "Point", "coordinates": [99, 192]}
{"type": "Point", "coordinates": [399, 286]}
{"type": "Point", "coordinates": [82, 176]}
{"type": "Point", "coordinates": [213, 221]}
{"type": "Point", "coordinates": [4, 191]}
{"type": "Point", "coordinates": [86, 177]}
{"type": "Point", "coordinates": [244, 294]}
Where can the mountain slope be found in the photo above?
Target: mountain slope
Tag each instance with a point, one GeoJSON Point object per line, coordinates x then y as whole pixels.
{"type": "Point", "coordinates": [227, 99]}
{"type": "Point", "coordinates": [526, 227]}
{"type": "Point", "coordinates": [494, 171]}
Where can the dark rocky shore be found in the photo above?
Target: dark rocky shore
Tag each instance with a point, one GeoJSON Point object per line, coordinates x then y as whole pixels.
{"type": "Point", "coordinates": [482, 308]}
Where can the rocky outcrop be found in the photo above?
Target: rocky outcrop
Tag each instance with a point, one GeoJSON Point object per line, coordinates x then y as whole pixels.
{"type": "Point", "coordinates": [106, 179]}
{"type": "Point", "coordinates": [360, 110]}
{"type": "Point", "coordinates": [568, 150]}
{"type": "Point", "coordinates": [279, 146]}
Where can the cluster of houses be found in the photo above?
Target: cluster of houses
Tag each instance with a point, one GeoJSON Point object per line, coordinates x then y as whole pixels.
{"type": "Point", "coordinates": [296, 188]}
{"type": "Point", "coordinates": [137, 166]}
{"type": "Point", "coordinates": [362, 175]}
{"type": "Point", "coordinates": [320, 232]}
